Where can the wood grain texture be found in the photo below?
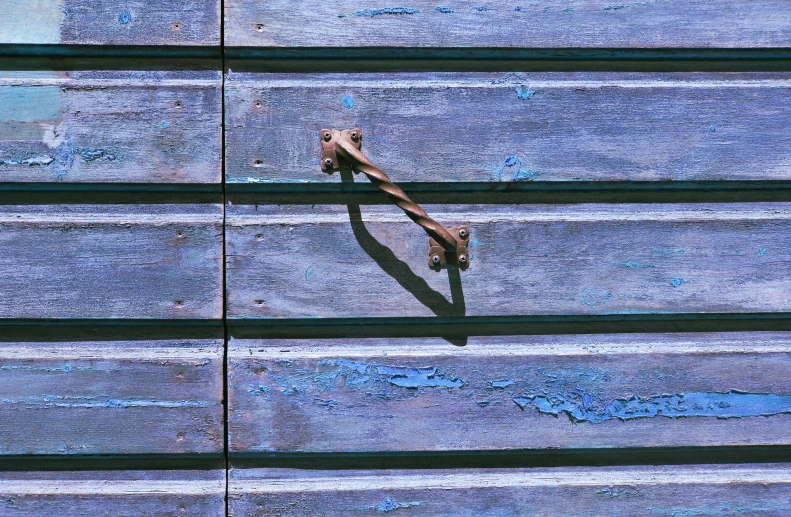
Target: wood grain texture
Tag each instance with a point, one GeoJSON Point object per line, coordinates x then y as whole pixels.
{"type": "Point", "coordinates": [113, 493]}
{"type": "Point", "coordinates": [139, 397]}
{"type": "Point", "coordinates": [568, 492]}
{"type": "Point", "coordinates": [516, 392]}
{"type": "Point", "coordinates": [134, 22]}
{"type": "Point", "coordinates": [537, 127]}
{"type": "Point", "coordinates": [109, 126]}
{"type": "Point", "coordinates": [496, 23]}
{"type": "Point", "coordinates": [332, 261]}
{"type": "Point", "coordinates": [111, 261]}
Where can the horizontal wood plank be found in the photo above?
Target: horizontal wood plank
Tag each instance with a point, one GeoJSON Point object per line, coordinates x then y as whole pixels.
{"type": "Point", "coordinates": [496, 23]}
{"type": "Point", "coordinates": [111, 261]}
{"type": "Point", "coordinates": [579, 492]}
{"type": "Point", "coordinates": [334, 261]}
{"type": "Point", "coordinates": [112, 493]}
{"type": "Point", "coordinates": [116, 127]}
{"type": "Point", "coordinates": [516, 392]}
{"type": "Point", "coordinates": [138, 397]}
{"type": "Point", "coordinates": [136, 22]}
{"type": "Point", "coordinates": [537, 127]}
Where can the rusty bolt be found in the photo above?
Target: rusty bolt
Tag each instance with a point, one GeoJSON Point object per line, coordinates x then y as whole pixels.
{"type": "Point", "coordinates": [435, 259]}
{"type": "Point", "coordinates": [354, 136]}
{"type": "Point", "coordinates": [463, 260]}
{"type": "Point", "coordinates": [328, 163]}
{"type": "Point", "coordinates": [463, 233]}
{"type": "Point", "coordinates": [327, 136]}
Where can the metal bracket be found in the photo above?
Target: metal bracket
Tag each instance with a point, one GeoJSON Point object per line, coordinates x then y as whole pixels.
{"type": "Point", "coordinates": [329, 158]}
{"type": "Point", "coordinates": [438, 258]}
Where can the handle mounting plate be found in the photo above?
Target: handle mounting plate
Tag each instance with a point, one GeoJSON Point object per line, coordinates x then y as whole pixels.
{"type": "Point", "coordinates": [439, 259]}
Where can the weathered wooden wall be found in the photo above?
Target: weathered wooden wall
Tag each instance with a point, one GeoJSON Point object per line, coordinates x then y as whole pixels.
{"type": "Point", "coordinates": [110, 126]}
{"type": "Point", "coordinates": [537, 126]}
{"type": "Point", "coordinates": [113, 493]}
{"type": "Point", "coordinates": [578, 492]}
{"type": "Point", "coordinates": [348, 262]}
{"type": "Point", "coordinates": [497, 23]}
{"type": "Point", "coordinates": [515, 392]}
{"type": "Point", "coordinates": [96, 22]}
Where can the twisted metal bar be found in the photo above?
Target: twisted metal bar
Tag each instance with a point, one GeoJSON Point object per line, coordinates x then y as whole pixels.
{"type": "Point", "coordinates": [358, 161]}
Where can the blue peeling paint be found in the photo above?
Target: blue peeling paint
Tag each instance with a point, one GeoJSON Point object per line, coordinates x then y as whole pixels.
{"type": "Point", "coordinates": [501, 385]}
{"type": "Point", "coordinates": [481, 8]}
{"type": "Point", "coordinates": [631, 264]}
{"type": "Point", "coordinates": [125, 17]}
{"type": "Point", "coordinates": [164, 124]}
{"type": "Point", "coordinates": [762, 252]}
{"type": "Point", "coordinates": [309, 273]}
{"type": "Point", "coordinates": [581, 406]}
{"type": "Point", "coordinates": [65, 401]}
{"type": "Point", "coordinates": [347, 102]}
{"type": "Point", "coordinates": [618, 491]}
{"type": "Point", "coordinates": [712, 128]}
{"type": "Point", "coordinates": [678, 282]}
{"type": "Point", "coordinates": [388, 505]}
{"type": "Point", "coordinates": [520, 174]}
{"type": "Point", "coordinates": [443, 9]}
{"type": "Point", "coordinates": [669, 251]}
{"type": "Point", "coordinates": [386, 10]}
{"type": "Point", "coordinates": [517, 8]}
{"type": "Point", "coordinates": [524, 92]}
{"type": "Point", "coordinates": [427, 377]}
{"type": "Point", "coordinates": [614, 7]}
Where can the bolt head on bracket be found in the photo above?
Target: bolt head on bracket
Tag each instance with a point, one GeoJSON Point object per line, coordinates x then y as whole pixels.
{"type": "Point", "coordinates": [330, 161]}
{"type": "Point", "coordinates": [439, 259]}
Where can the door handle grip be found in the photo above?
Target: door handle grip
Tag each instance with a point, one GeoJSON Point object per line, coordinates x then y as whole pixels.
{"type": "Point", "coordinates": [446, 246]}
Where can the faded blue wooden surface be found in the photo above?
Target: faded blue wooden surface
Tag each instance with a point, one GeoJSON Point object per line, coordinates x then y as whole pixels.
{"type": "Point", "coordinates": [113, 493]}
{"type": "Point", "coordinates": [498, 23]}
{"type": "Point", "coordinates": [115, 127]}
{"type": "Point", "coordinates": [111, 261]}
{"type": "Point", "coordinates": [134, 22]}
{"type": "Point", "coordinates": [334, 261]}
{"type": "Point", "coordinates": [537, 126]}
{"type": "Point", "coordinates": [697, 490]}
{"type": "Point", "coordinates": [515, 392]}
{"type": "Point", "coordinates": [117, 397]}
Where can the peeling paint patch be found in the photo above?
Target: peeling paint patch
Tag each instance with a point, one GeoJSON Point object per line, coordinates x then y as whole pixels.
{"type": "Point", "coordinates": [678, 282]}
{"type": "Point", "coordinates": [712, 128]}
{"type": "Point", "coordinates": [619, 491]}
{"type": "Point", "coordinates": [502, 384]}
{"type": "Point", "coordinates": [481, 8]}
{"type": "Point", "coordinates": [386, 10]}
{"type": "Point", "coordinates": [762, 252]}
{"type": "Point", "coordinates": [581, 406]}
{"type": "Point", "coordinates": [347, 102]}
{"type": "Point", "coordinates": [520, 174]}
{"type": "Point", "coordinates": [53, 401]}
{"type": "Point", "coordinates": [125, 17]}
{"type": "Point", "coordinates": [388, 505]}
{"type": "Point", "coordinates": [418, 377]}
{"type": "Point", "coordinates": [592, 298]}
{"type": "Point", "coordinates": [444, 9]}
{"type": "Point", "coordinates": [669, 251]}
{"type": "Point", "coordinates": [631, 264]}
{"type": "Point", "coordinates": [524, 92]}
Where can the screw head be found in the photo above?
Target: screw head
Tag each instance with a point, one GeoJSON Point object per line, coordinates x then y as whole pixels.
{"type": "Point", "coordinates": [462, 260]}
{"type": "Point", "coordinates": [435, 259]}
{"type": "Point", "coordinates": [327, 136]}
{"type": "Point", "coordinates": [463, 233]}
{"type": "Point", "coordinates": [354, 136]}
{"type": "Point", "coordinates": [328, 163]}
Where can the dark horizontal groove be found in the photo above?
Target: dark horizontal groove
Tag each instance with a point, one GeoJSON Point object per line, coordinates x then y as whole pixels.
{"type": "Point", "coordinates": [108, 193]}
{"type": "Point", "coordinates": [63, 462]}
{"type": "Point", "coordinates": [54, 330]}
{"type": "Point", "coordinates": [457, 329]}
{"type": "Point", "coordinates": [499, 59]}
{"type": "Point", "coordinates": [516, 458]}
{"type": "Point", "coordinates": [109, 57]}
{"type": "Point", "coordinates": [518, 192]}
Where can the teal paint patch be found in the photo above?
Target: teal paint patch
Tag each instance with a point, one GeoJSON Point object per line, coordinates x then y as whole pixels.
{"type": "Point", "coordinates": [31, 104]}
{"type": "Point", "coordinates": [30, 21]}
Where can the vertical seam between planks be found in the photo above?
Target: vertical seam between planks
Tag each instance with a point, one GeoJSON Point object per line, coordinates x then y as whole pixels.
{"type": "Point", "coordinates": [224, 295]}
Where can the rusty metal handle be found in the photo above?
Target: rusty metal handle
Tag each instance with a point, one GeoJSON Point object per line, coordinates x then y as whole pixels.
{"type": "Point", "coordinates": [343, 147]}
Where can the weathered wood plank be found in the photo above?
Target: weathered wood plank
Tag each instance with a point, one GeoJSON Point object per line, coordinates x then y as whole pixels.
{"type": "Point", "coordinates": [570, 23]}
{"type": "Point", "coordinates": [579, 492]}
{"type": "Point", "coordinates": [330, 261]}
{"type": "Point", "coordinates": [516, 392]}
{"type": "Point", "coordinates": [136, 22]}
{"type": "Point", "coordinates": [139, 397]}
{"type": "Point", "coordinates": [126, 127]}
{"type": "Point", "coordinates": [113, 493]}
{"type": "Point", "coordinates": [111, 261]}
{"type": "Point", "coordinates": [538, 127]}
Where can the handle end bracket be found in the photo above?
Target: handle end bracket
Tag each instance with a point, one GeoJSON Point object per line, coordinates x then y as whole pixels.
{"type": "Point", "coordinates": [439, 259]}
